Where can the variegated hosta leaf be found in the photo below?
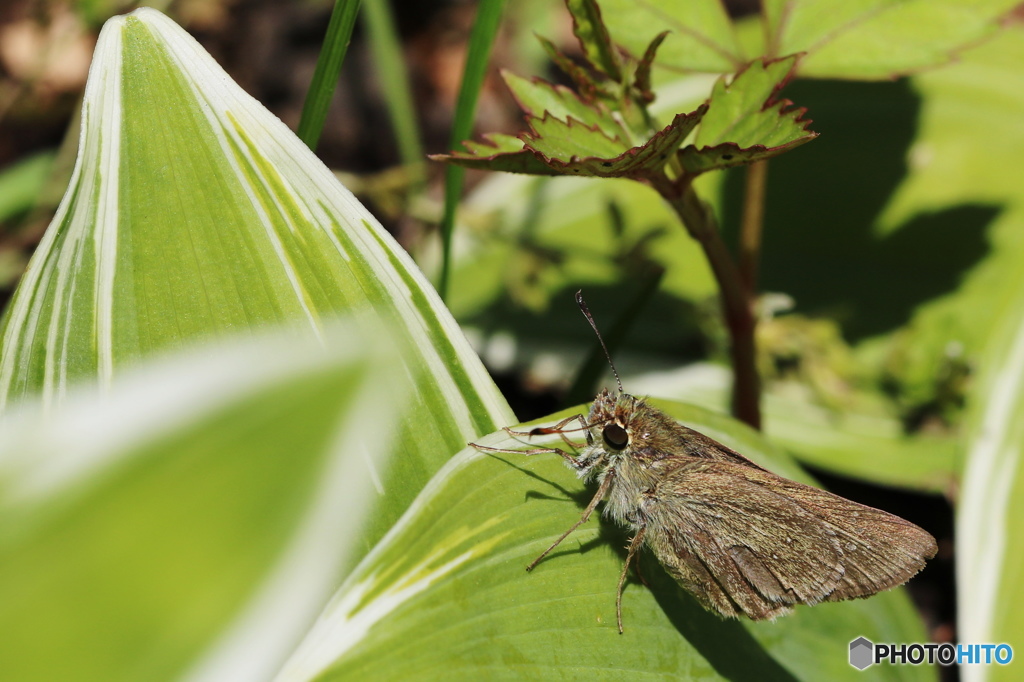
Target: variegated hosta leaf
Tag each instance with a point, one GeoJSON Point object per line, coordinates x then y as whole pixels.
{"type": "Point", "coordinates": [990, 555]}
{"type": "Point", "coordinates": [192, 520]}
{"type": "Point", "coordinates": [444, 595]}
{"type": "Point", "coordinates": [193, 212]}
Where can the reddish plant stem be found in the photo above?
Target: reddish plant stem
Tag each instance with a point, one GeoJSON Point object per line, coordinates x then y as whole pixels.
{"type": "Point", "coordinates": [737, 308]}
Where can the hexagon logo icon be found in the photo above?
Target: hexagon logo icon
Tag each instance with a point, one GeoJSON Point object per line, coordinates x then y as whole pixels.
{"type": "Point", "coordinates": [861, 653]}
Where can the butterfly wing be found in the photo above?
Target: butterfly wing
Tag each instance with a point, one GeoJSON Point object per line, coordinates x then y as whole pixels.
{"type": "Point", "coordinates": [745, 541]}
{"type": "Point", "coordinates": [880, 550]}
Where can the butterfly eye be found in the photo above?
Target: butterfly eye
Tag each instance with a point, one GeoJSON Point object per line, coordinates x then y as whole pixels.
{"type": "Point", "coordinates": [615, 436]}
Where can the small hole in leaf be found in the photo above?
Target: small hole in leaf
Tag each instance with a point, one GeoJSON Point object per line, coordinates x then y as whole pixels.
{"type": "Point", "coordinates": [727, 157]}
{"type": "Point", "coordinates": [606, 164]}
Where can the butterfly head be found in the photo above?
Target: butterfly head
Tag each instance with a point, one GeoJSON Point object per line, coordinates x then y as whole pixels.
{"type": "Point", "coordinates": [611, 420]}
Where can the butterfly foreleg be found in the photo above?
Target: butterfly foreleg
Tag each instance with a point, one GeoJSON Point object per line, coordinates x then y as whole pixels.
{"type": "Point", "coordinates": [601, 491]}
{"type": "Point", "coordinates": [559, 429]}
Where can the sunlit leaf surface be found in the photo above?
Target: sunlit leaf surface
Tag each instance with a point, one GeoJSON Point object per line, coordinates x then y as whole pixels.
{"type": "Point", "coordinates": [856, 39]}
{"type": "Point", "coordinates": [877, 39]}
{"type": "Point", "coordinates": [702, 37]}
{"type": "Point", "coordinates": [192, 520]}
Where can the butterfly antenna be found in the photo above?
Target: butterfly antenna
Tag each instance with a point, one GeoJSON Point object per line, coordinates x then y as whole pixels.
{"type": "Point", "coordinates": [590, 318]}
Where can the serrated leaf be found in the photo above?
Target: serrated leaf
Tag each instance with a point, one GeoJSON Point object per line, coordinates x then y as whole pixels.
{"type": "Point", "coordinates": [642, 78]}
{"type": "Point", "coordinates": [498, 152]}
{"type": "Point", "coordinates": [445, 595]}
{"type": "Point", "coordinates": [572, 137]}
{"type": "Point", "coordinates": [580, 77]}
{"type": "Point", "coordinates": [194, 213]}
{"type": "Point", "coordinates": [539, 98]}
{"type": "Point", "coordinates": [563, 140]}
{"type": "Point", "coordinates": [744, 123]}
{"type": "Point", "coordinates": [589, 28]}
{"type": "Point", "coordinates": [636, 162]}
{"type": "Point", "coordinates": [877, 39]}
{"type": "Point", "coordinates": [190, 521]}
{"type": "Point", "coordinates": [514, 203]}
{"type": "Point", "coordinates": [701, 35]}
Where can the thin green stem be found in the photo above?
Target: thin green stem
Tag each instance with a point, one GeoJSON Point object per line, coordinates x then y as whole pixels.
{"type": "Point", "coordinates": [328, 68]}
{"type": "Point", "coordinates": [390, 65]}
{"type": "Point", "coordinates": [736, 305]}
{"type": "Point", "coordinates": [481, 38]}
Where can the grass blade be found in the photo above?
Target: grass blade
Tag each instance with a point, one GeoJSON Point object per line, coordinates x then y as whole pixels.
{"type": "Point", "coordinates": [328, 67]}
{"type": "Point", "coordinates": [394, 79]}
{"type": "Point", "coordinates": [481, 40]}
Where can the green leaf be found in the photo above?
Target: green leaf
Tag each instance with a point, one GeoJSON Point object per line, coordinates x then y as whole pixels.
{"type": "Point", "coordinates": [745, 123]}
{"type": "Point", "coordinates": [560, 145]}
{"type": "Point", "coordinates": [952, 162]}
{"type": "Point", "coordinates": [563, 140]}
{"type": "Point", "coordinates": [592, 33]}
{"type": "Point", "coordinates": [642, 78]}
{"type": "Point", "coordinates": [990, 556]}
{"type": "Point", "coordinates": [965, 107]}
{"type": "Point", "coordinates": [491, 267]}
{"type": "Point", "coordinates": [481, 40]}
{"type": "Point", "coordinates": [445, 594]}
{"type": "Point", "coordinates": [21, 183]}
{"type": "Point", "coordinates": [557, 147]}
{"type": "Point", "coordinates": [391, 73]}
{"type": "Point", "coordinates": [877, 39]}
{"type": "Point", "coordinates": [701, 38]}
{"type": "Point", "coordinates": [191, 520]}
{"type": "Point", "coordinates": [498, 152]}
{"type": "Point", "coordinates": [537, 97]}
{"type": "Point", "coordinates": [581, 78]}
{"type": "Point", "coordinates": [857, 39]}
{"type": "Point", "coordinates": [195, 213]}
{"type": "Point", "coordinates": [328, 68]}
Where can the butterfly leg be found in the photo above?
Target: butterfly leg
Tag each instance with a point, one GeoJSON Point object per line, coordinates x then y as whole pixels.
{"type": "Point", "coordinates": [558, 428]}
{"type": "Point", "coordinates": [533, 451]}
{"type": "Point", "coordinates": [601, 491]}
{"type": "Point", "coordinates": [634, 546]}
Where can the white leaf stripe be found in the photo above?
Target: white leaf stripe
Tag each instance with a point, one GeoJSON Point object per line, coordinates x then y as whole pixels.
{"type": "Point", "coordinates": [983, 523]}
{"type": "Point", "coordinates": [46, 284]}
{"type": "Point", "coordinates": [269, 163]}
